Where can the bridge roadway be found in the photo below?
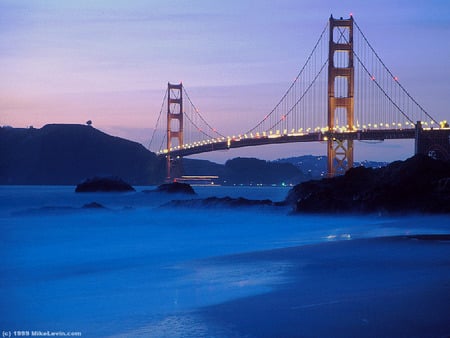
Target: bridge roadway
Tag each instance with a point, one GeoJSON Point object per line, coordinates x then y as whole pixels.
{"type": "Point", "coordinates": [230, 143]}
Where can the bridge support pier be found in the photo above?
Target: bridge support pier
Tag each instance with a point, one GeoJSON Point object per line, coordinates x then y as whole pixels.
{"type": "Point", "coordinates": [340, 156]}
{"type": "Point", "coordinates": [174, 129]}
{"type": "Point", "coordinates": [434, 143]}
{"type": "Point", "coordinates": [340, 94]}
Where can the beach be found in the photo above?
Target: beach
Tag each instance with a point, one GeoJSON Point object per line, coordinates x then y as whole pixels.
{"type": "Point", "coordinates": [383, 287]}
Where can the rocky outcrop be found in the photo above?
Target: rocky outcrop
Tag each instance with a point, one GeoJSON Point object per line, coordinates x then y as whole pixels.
{"type": "Point", "coordinates": [419, 184]}
{"type": "Point", "coordinates": [176, 188]}
{"type": "Point", "coordinates": [219, 202]}
{"type": "Point", "coordinates": [104, 184]}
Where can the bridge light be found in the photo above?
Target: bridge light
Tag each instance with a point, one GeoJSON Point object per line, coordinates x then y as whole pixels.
{"type": "Point", "coordinates": [395, 78]}
{"type": "Point", "coordinates": [285, 131]}
{"type": "Point", "coordinates": [278, 132]}
{"type": "Point", "coordinates": [270, 132]}
{"type": "Point", "coordinates": [375, 125]}
{"type": "Point", "coordinates": [264, 134]}
{"type": "Point", "coordinates": [373, 78]}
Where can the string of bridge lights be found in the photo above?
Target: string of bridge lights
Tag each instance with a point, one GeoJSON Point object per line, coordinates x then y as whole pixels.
{"type": "Point", "coordinates": [302, 132]}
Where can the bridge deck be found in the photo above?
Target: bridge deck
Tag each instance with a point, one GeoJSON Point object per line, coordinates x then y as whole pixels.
{"type": "Point", "coordinates": [363, 135]}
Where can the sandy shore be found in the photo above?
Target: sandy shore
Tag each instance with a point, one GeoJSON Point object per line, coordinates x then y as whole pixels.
{"type": "Point", "coordinates": [381, 287]}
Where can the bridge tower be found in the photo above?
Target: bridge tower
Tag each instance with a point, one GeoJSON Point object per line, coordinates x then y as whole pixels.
{"type": "Point", "coordinates": [174, 128]}
{"type": "Point", "coordinates": [340, 94]}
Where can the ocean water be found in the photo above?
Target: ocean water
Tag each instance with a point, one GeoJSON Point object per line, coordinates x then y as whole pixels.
{"type": "Point", "coordinates": [132, 268]}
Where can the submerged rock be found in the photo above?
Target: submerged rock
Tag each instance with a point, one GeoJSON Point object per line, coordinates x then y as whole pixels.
{"type": "Point", "coordinates": [93, 205]}
{"type": "Point", "coordinates": [419, 184]}
{"type": "Point", "coordinates": [176, 188]}
{"type": "Point", "coordinates": [104, 184]}
{"type": "Point", "coordinates": [217, 202]}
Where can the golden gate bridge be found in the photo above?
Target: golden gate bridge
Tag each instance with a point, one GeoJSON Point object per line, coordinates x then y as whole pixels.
{"type": "Point", "coordinates": [344, 92]}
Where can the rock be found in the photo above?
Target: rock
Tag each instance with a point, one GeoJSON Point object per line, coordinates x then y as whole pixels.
{"type": "Point", "coordinates": [217, 202]}
{"type": "Point", "coordinates": [419, 184]}
{"type": "Point", "coordinates": [176, 188]}
{"type": "Point", "coordinates": [93, 205]}
{"type": "Point", "coordinates": [104, 184]}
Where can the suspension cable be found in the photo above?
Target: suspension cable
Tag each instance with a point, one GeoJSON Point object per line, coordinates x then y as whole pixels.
{"type": "Point", "coordinates": [157, 121]}
{"type": "Point", "coordinates": [200, 115]}
{"type": "Point", "coordinates": [199, 129]}
{"type": "Point", "coordinates": [382, 90]}
{"type": "Point", "coordinates": [293, 83]}
{"type": "Point", "coordinates": [303, 95]}
{"type": "Point", "coordinates": [390, 73]}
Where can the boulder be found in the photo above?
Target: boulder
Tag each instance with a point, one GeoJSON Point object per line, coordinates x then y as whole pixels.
{"type": "Point", "coordinates": [176, 188]}
{"type": "Point", "coordinates": [104, 184]}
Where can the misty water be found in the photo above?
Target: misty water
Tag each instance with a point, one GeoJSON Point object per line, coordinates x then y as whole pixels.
{"type": "Point", "coordinates": [139, 268]}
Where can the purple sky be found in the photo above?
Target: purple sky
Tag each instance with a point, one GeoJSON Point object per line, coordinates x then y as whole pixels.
{"type": "Point", "coordinates": [110, 61]}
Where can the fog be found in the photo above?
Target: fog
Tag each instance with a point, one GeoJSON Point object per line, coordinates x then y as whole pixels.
{"type": "Point", "coordinates": [135, 268]}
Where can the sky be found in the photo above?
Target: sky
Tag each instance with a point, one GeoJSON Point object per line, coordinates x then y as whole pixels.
{"type": "Point", "coordinates": [109, 61]}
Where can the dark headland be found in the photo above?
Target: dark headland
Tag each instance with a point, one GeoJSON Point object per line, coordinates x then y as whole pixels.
{"type": "Point", "coordinates": [67, 154]}
{"type": "Point", "coordinates": [418, 184]}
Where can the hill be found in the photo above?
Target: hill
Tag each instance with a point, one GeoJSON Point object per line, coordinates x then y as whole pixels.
{"type": "Point", "coordinates": [315, 167]}
{"type": "Point", "coordinates": [67, 154]}
{"type": "Point", "coordinates": [246, 171]}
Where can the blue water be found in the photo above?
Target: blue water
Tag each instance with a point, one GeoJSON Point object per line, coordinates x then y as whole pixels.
{"type": "Point", "coordinates": [133, 265]}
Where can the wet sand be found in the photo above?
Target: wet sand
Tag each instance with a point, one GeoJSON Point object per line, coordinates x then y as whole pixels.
{"type": "Point", "coordinates": [379, 287]}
